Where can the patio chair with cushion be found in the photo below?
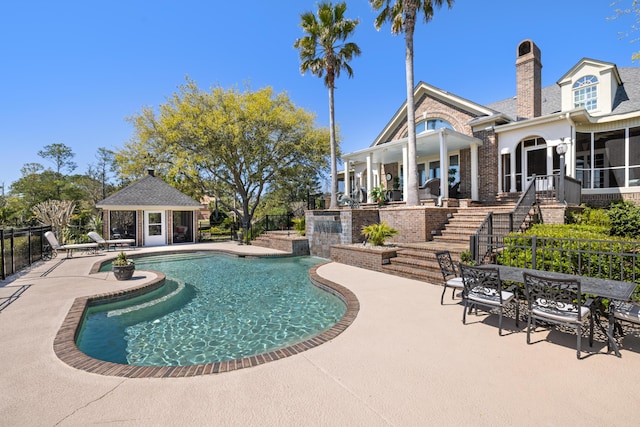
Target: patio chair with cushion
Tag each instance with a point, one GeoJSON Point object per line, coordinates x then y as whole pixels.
{"type": "Point", "coordinates": [106, 244]}
{"type": "Point", "coordinates": [56, 246]}
{"type": "Point", "coordinates": [557, 301]}
{"type": "Point", "coordinates": [483, 287]}
{"type": "Point", "coordinates": [619, 312]}
{"type": "Point", "coordinates": [450, 275]}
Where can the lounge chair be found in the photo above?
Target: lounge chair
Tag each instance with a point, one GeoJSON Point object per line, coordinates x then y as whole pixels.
{"type": "Point", "coordinates": [56, 246]}
{"type": "Point", "coordinates": [106, 244]}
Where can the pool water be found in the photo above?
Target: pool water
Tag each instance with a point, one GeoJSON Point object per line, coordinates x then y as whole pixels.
{"type": "Point", "coordinates": [212, 308]}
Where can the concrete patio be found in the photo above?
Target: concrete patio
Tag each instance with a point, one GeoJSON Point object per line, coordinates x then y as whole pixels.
{"type": "Point", "coordinates": [405, 361]}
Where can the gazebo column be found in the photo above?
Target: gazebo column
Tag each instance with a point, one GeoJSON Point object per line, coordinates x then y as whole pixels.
{"type": "Point", "coordinates": [475, 193]}
{"type": "Point", "coordinates": [444, 167]}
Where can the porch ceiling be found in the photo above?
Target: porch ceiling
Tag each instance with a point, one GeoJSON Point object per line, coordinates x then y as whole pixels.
{"type": "Point", "coordinates": [427, 144]}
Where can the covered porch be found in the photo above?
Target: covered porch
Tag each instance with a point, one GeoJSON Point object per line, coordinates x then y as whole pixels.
{"type": "Point", "coordinates": [436, 151]}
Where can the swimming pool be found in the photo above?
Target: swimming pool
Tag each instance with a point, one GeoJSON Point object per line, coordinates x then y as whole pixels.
{"type": "Point", "coordinates": [212, 308]}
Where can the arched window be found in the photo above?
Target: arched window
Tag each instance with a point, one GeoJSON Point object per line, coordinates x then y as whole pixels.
{"type": "Point", "coordinates": [431, 124]}
{"type": "Point", "coordinates": [585, 93]}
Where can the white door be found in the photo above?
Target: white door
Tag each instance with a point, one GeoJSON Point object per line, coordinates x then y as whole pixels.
{"type": "Point", "coordinates": [154, 228]}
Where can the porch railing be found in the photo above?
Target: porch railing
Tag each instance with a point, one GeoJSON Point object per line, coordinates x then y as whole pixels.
{"type": "Point", "coordinates": [20, 247]}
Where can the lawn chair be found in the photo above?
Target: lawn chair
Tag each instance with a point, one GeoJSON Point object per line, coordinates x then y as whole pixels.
{"type": "Point", "coordinates": [55, 246]}
{"type": "Point", "coordinates": [450, 275]}
{"type": "Point", "coordinates": [557, 301]}
{"type": "Point", "coordinates": [483, 287]}
{"type": "Point", "coordinates": [106, 244]}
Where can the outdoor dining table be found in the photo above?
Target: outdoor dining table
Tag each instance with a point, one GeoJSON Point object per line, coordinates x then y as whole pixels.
{"type": "Point", "coordinates": [600, 288]}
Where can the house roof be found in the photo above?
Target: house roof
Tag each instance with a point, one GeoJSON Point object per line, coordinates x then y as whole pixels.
{"type": "Point", "coordinates": [149, 192]}
{"type": "Point", "coordinates": [421, 89]}
{"type": "Point", "coordinates": [627, 97]}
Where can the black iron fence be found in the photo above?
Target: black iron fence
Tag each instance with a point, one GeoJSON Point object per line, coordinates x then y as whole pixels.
{"type": "Point", "coordinates": [20, 247]}
{"type": "Point", "coordinates": [605, 259]}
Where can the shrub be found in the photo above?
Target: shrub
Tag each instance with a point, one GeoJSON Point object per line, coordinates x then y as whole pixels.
{"type": "Point", "coordinates": [590, 216]}
{"type": "Point", "coordinates": [466, 258]}
{"type": "Point", "coordinates": [378, 233]}
{"type": "Point", "coordinates": [625, 220]}
{"type": "Point", "coordinates": [300, 225]}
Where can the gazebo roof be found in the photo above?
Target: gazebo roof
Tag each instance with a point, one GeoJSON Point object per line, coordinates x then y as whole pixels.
{"type": "Point", "coordinates": [149, 192]}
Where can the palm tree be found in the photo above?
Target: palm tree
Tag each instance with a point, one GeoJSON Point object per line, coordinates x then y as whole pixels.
{"type": "Point", "coordinates": [324, 50]}
{"type": "Point", "coordinates": [402, 16]}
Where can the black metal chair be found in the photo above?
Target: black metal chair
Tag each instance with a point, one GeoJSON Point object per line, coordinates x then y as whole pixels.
{"type": "Point", "coordinates": [483, 287]}
{"type": "Point", "coordinates": [557, 301]}
{"type": "Point", "coordinates": [622, 311]}
{"type": "Point", "coordinates": [450, 276]}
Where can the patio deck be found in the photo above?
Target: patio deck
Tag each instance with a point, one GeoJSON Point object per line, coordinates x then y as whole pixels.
{"type": "Point", "coordinates": [404, 361]}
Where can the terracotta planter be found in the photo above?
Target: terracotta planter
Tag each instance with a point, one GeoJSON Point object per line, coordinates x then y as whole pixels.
{"type": "Point", "coordinates": [123, 272]}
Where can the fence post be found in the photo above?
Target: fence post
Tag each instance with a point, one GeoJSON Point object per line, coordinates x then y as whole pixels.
{"type": "Point", "coordinates": [12, 250]}
{"type": "Point", "coordinates": [473, 247]}
{"type": "Point", "coordinates": [534, 244]}
{"type": "Point", "coordinates": [2, 272]}
{"type": "Point", "coordinates": [29, 244]}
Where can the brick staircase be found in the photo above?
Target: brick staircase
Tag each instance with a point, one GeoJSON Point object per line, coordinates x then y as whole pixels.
{"type": "Point", "coordinates": [418, 260]}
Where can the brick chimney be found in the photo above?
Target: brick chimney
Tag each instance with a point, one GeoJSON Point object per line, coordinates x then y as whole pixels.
{"type": "Point", "coordinates": [528, 80]}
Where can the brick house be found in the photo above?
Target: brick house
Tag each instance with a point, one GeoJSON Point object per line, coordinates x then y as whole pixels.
{"type": "Point", "coordinates": [592, 114]}
{"type": "Point", "coordinates": [152, 212]}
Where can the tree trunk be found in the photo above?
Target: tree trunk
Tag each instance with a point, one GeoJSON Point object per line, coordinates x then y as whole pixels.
{"type": "Point", "coordinates": [332, 141]}
{"type": "Point", "coordinates": [411, 197]}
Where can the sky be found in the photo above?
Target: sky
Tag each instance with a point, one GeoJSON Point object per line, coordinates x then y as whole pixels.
{"type": "Point", "coordinates": [73, 71]}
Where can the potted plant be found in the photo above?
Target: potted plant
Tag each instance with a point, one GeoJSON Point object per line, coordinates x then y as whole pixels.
{"type": "Point", "coordinates": [379, 194]}
{"type": "Point", "coordinates": [378, 233]}
{"type": "Point", "coordinates": [123, 267]}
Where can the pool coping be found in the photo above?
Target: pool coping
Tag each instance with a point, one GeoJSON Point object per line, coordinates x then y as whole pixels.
{"type": "Point", "coordinates": [65, 347]}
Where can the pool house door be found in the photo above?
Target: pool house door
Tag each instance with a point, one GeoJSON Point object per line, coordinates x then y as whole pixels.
{"type": "Point", "coordinates": [154, 228]}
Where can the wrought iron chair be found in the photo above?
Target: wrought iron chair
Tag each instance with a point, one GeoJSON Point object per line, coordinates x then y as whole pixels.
{"type": "Point", "coordinates": [557, 301]}
{"type": "Point", "coordinates": [483, 287]}
{"type": "Point", "coordinates": [622, 311]}
{"type": "Point", "coordinates": [450, 274]}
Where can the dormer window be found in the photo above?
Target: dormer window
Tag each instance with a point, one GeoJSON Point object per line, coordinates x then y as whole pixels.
{"type": "Point", "coordinates": [585, 93]}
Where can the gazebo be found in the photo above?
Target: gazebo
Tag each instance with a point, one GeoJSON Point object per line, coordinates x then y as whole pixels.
{"type": "Point", "coordinates": [152, 212]}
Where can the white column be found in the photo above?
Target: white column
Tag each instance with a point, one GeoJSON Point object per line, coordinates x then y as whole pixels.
{"type": "Point", "coordinates": [444, 166]}
{"type": "Point", "coordinates": [369, 178]}
{"type": "Point", "coordinates": [512, 160]}
{"type": "Point", "coordinates": [405, 172]}
{"type": "Point", "coordinates": [475, 193]}
{"type": "Point", "coordinates": [347, 184]}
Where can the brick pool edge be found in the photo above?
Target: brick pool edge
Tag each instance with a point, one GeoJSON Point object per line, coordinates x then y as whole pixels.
{"type": "Point", "coordinates": [65, 347]}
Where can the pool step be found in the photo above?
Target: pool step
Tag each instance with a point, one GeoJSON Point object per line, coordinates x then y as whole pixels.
{"type": "Point", "coordinates": [148, 304]}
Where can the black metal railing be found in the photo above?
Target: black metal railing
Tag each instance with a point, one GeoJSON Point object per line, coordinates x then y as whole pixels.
{"type": "Point", "coordinates": [269, 223]}
{"type": "Point", "coordinates": [501, 223]}
{"type": "Point", "coordinates": [605, 259]}
{"type": "Point", "coordinates": [20, 247]}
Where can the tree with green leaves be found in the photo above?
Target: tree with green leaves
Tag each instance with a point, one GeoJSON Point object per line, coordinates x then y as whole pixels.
{"type": "Point", "coordinates": [225, 143]}
{"type": "Point", "coordinates": [60, 155]}
{"type": "Point", "coordinates": [101, 171]}
{"type": "Point", "coordinates": [324, 51]}
{"type": "Point", "coordinates": [402, 15]}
